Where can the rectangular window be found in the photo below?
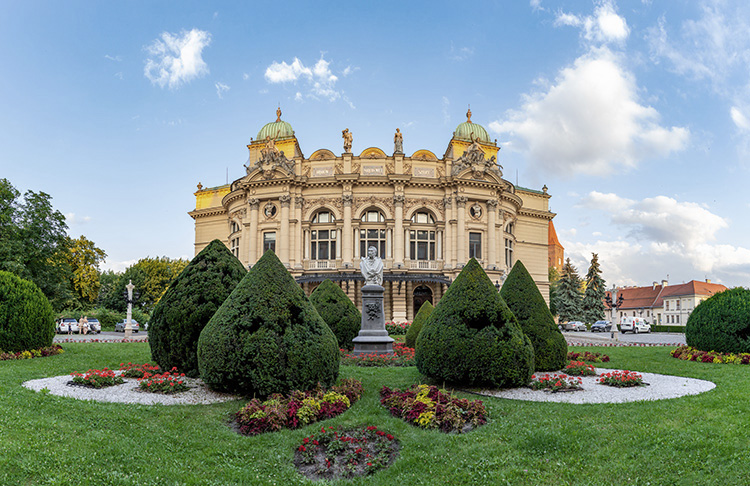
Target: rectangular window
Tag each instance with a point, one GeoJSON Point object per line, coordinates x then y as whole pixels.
{"type": "Point", "coordinates": [508, 253]}
{"type": "Point", "coordinates": [475, 245]}
{"type": "Point", "coordinates": [269, 241]}
{"type": "Point", "coordinates": [372, 237]}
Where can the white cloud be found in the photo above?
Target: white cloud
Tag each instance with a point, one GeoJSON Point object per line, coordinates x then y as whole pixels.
{"type": "Point", "coordinates": [460, 53]}
{"type": "Point", "coordinates": [113, 58]}
{"type": "Point", "coordinates": [590, 121]}
{"type": "Point", "coordinates": [221, 88]}
{"type": "Point", "coordinates": [739, 118]}
{"type": "Point", "coordinates": [602, 27]}
{"type": "Point", "coordinates": [245, 76]}
{"type": "Point", "coordinates": [117, 267]}
{"type": "Point", "coordinates": [666, 236]}
{"type": "Point", "coordinates": [319, 78]}
{"type": "Point", "coordinates": [72, 218]}
{"type": "Point", "coordinates": [177, 58]}
{"type": "Point", "coordinates": [446, 103]}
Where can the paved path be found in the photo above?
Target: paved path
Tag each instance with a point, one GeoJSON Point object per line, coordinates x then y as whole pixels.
{"type": "Point", "coordinates": [104, 336]}
{"type": "Point", "coordinates": [604, 339]}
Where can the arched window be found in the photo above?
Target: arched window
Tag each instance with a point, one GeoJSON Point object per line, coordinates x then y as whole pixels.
{"type": "Point", "coordinates": [233, 227]}
{"type": "Point", "coordinates": [372, 236]}
{"type": "Point", "coordinates": [422, 236]}
{"type": "Point", "coordinates": [322, 238]}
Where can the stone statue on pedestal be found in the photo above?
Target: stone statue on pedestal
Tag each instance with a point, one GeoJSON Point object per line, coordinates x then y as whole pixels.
{"type": "Point", "coordinates": [372, 337]}
{"type": "Point", "coordinates": [371, 267]}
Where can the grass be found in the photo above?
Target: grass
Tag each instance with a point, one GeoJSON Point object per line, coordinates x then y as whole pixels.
{"type": "Point", "coordinates": [701, 439]}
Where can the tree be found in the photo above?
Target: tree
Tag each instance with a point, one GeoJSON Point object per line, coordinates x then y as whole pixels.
{"type": "Point", "coordinates": [554, 282]}
{"type": "Point", "coordinates": [523, 297]}
{"type": "Point", "coordinates": [416, 326]}
{"type": "Point", "coordinates": [593, 303]}
{"type": "Point", "coordinates": [472, 338]}
{"type": "Point", "coordinates": [108, 280]}
{"type": "Point", "coordinates": [189, 303]}
{"type": "Point", "coordinates": [338, 311]}
{"type": "Point", "coordinates": [84, 258]}
{"type": "Point", "coordinates": [151, 277]}
{"type": "Point", "coordinates": [26, 318]}
{"type": "Point", "coordinates": [34, 242]}
{"type": "Point", "coordinates": [568, 295]}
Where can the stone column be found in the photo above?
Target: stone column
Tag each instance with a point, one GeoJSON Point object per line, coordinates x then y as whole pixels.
{"type": "Point", "coordinates": [347, 236]}
{"type": "Point", "coordinates": [398, 303]}
{"type": "Point", "coordinates": [449, 246]}
{"type": "Point", "coordinates": [461, 236]}
{"type": "Point", "coordinates": [245, 238]}
{"type": "Point", "coordinates": [285, 200]}
{"type": "Point", "coordinates": [299, 201]}
{"type": "Point", "coordinates": [398, 233]}
{"type": "Point", "coordinates": [253, 237]}
{"type": "Point", "coordinates": [491, 232]}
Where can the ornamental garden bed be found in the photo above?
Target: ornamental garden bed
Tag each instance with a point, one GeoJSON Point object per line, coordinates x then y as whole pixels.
{"type": "Point", "coordinates": [402, 356]}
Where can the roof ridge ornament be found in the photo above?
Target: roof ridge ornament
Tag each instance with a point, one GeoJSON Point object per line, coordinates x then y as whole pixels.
{"type": "Point", "coordinates": [278, 114]}
{"type": "Point", "coordinates": [468, 115]}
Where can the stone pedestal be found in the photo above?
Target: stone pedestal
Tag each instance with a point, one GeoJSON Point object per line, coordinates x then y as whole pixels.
{"type": "Point", "coordinates": [372, 338]}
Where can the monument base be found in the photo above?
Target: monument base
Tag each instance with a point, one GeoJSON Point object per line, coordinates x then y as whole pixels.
{"type": "Point", "coordinates": [372, 338]}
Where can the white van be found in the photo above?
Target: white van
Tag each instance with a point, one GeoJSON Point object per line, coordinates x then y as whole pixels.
{"type": "Point", "coordinates": [634, 325]}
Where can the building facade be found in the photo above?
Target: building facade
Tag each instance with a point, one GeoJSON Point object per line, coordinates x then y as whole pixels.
{"type": "Point", "coordinates": [661, 303]}
{"type": "Point", "coordinates": [426, 216]}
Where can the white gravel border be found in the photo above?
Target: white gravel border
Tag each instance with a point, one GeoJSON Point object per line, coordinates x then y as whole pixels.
{"type": "Point", "coordinates": [128, 392]}
{"type": "Point", "coordinates": [660, 387]}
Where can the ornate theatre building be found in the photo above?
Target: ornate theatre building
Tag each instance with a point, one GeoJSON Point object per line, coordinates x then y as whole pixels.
{"type": "Point", "coordinates": [426, 216]}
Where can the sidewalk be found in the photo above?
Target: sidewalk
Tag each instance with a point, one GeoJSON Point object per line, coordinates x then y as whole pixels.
{"type": "Point", "coordinates": [103, 337]}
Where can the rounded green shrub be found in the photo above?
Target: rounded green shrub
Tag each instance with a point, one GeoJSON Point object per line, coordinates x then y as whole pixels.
{"type": "Point", "coordinates": [473, 338]}
{"type": "Point", "coordinates": [188, 304]}
{"type": "Point", "coordinates": [338, 311]}
{"type": "Point", "coordinates": [523, 298]}
{"type": "Point", "coordinates": [721, 323]}
{"type": "Point", "coordinates": [267, 337]}
{"type": "Point", "coordinates": [27, 320]}
{"type": "Point", "coordinates": [416, 325]}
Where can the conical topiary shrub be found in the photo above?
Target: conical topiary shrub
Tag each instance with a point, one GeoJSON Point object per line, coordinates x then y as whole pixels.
{"type": "Point", "coordinates": [472, 338]}
{"type": "Point", "coordinates": [267, 337]}
{"type": "Point", "coordinates": [189, 303]}
{"type": "Point", "coordinates": [416, 326]}
{"type": "Point", "coordinates": [26, 318]}
{"type": "Point", "coordinates": [523, 298]}
{"type": "Point", "coordinates": [338, 311]}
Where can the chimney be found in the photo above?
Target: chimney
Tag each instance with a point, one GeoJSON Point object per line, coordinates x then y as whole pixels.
{"type": "Point", "coordinates": [708, 280]}
{"type": "Point", "coordinates": [664, 283]}
{"type": "Point", "coordinates": [655, 284]}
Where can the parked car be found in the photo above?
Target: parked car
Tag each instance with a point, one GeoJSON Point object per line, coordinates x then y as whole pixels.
{"type": "Point", "coordinates": [94, 325]}
{"type": "Point", "coordinates": [574, 326]}
{"type": "Point", "coordinates": [601, 326]}
{"type": "Point", "coordinates": [634, 325]}
{"type": "Point", "coordinates": [120, 326]}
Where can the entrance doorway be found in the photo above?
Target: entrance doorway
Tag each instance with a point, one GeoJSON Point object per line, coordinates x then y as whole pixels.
{"type": "Point", "coordinates": [422, 294]}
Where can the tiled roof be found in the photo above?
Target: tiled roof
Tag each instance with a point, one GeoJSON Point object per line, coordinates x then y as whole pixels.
{"type": "Point", "coordinates": [552, 236]}
{"type": "Point", "coordinates": [653, 296]}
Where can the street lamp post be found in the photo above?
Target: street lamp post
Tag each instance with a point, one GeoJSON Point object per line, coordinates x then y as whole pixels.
{"type": "Point", "coordinates": [129, 298]}
{"type": "Point", "coordinates": [614, 302]}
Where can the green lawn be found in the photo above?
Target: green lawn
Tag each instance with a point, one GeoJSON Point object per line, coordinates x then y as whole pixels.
{"type": "Point", "coordinates": [699, 440]}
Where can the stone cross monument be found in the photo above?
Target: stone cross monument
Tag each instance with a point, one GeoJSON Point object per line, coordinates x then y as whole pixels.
{"type": "Point", "coordinates": [372, 338]}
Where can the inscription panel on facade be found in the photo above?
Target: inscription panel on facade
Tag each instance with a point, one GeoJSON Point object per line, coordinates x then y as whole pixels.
{"type": "Point", "coordinates": [424, 172]}
{"type": "Point", "coordinates": [373, 170]}
{"type": "Point", "coordinates": [322, 171]}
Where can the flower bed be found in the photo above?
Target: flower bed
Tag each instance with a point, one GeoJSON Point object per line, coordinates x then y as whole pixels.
{"type": "Point", "coordinates": [34, 353]}
{"type": "Point", "coordinates": [402, 356]}
{"type": "Point", "coordinates": [579, 368]}
{"type": "Point", "coordinates": [621, 379]}
{"type": "Point", "coordinates": [97, 378]}
{"type": "Point", "coordinates": [131, 370]}
{"type": "Point", "coordinates": [688, 353]}
{"type": "Point", "coordinates": [297, 409]}
{"type": "Point", "coordinates": [397, 328]}
{"type": "Point", "coordinates": [555, 383]}
{"type": "Point", "coordinates": [427, 407]}
{"type": "Point", "coordinates": [588, 357]}
{"type": "Point", "coordinates": [166, 383]}
{"type": "Point", "coordinates": [336, 454]}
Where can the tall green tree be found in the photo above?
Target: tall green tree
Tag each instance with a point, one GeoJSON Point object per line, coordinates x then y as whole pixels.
{"type": "Point", "coordinates": [84, 258]}
{"type": "Point", "coordinates": [151, 277]}
{"type": "Point", "coordinates": [34, 242]}
{"type": "Point", "coordinates": [568, 298]}
{"type": "Point", "coordinates": [554, 282]}
{"type": "Point", "coordinates": [593, 304]}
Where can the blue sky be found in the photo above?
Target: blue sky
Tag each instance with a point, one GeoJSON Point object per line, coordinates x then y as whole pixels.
{"type": "Point", "coordinates": [635, 114]}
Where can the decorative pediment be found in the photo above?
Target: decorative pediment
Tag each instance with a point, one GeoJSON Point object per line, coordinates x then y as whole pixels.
{"type": "Point", "coordinates": [423, 155]}
{"type": "Point", "coordinates": [270, 161]}
{"type": "Point", "coordinates": [322, 154]}
{"type": "Point", "coordinates": [473, 158]}
{"type": "Point", "coordinates": [372, 153]}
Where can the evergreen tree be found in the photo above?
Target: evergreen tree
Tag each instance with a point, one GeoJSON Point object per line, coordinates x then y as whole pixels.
{"type": "Point", "coordinates": [593, 304]}
{"type": "Point", "coordinates": [554, 282]}
{"type": "Point", "coordinates": [341, 315]}
{"type": "Point", "coordinates": [568, 298]}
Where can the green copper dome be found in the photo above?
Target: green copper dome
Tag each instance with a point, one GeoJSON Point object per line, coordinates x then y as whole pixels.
{"type": "Point", "coordinates": [277, 130]}
{"type": "Point", "coordinates": [471, 131]}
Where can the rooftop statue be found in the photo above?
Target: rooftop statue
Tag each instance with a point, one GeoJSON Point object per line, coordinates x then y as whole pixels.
{"type": "Point", "coordinates": [347, 136]}
{"type": "Point", "coordinates": [398, 142]}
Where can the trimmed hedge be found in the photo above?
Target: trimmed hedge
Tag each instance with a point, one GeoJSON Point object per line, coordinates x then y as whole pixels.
{"type": "Point", "coordinates": [523, 298]}
{"type": "Point", "coordinates": [267, 337]}
{"type": "Point", "coordinates": [27, 320]}
{"type": "Point", "coordinates": [188, 304]}
{"type": "Point", "coordinates": [721, 323]}
{"type": "Point", "coordinates": [338, 311]}
{"type": "Point", "coordinates": [424, 313]}
{"type": "Point", "coordinates": [473, 338]}
{"type": "Point", "coordinates": [657, 328]}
